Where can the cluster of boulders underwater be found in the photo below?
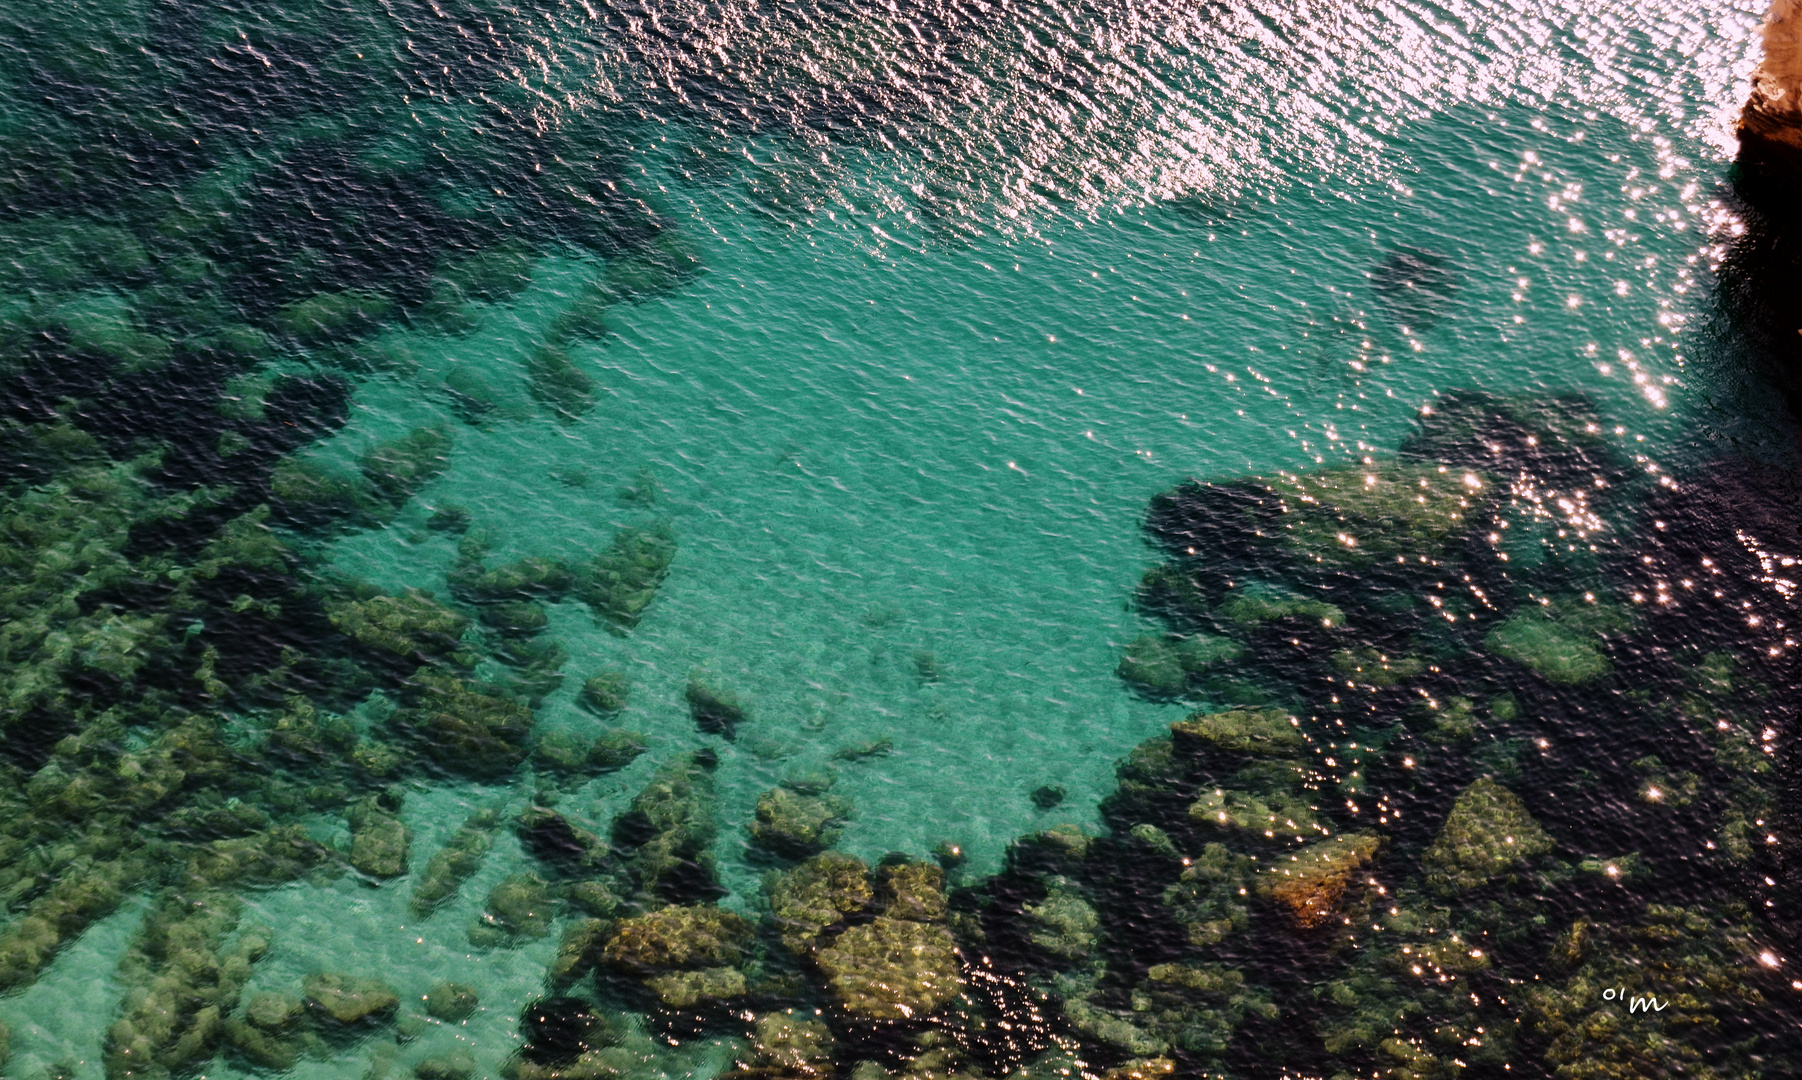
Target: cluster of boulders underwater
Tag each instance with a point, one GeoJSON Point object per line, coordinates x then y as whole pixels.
{"type": "Point", "coordinates": [1482, 728]}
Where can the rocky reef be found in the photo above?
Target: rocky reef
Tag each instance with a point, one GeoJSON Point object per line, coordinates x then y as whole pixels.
{"type": "Point", "coordinates": [1471, 732]}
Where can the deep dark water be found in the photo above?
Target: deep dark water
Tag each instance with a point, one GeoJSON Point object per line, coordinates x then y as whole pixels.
{"type": "Point", "coordinates": [1463, 729]}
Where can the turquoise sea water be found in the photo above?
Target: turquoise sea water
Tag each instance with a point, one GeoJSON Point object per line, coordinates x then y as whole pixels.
{"type": "Point", "coordinates": [928, 360]}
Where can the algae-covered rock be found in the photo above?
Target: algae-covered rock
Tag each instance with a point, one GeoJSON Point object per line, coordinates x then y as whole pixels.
{"type": "Point", "coordinates": [1198, 653]}
{"type": "Point", "coordinates": [1209, 898]}
{"type": "Point", "coordinates": [522, 906]}
{"type": "Point", "coordinates": [821, 893]}
{"type": "Point", "coordinates": [523, 579]}
{"type": "Point", "coordinates": [460, 857]}
{"type": "Point", "coordinates": [183, 981]}
{"type": "Point", "coordinates": [570, 756]}
{"type": "Point", "coordinates": [311, 495]}
{"type": "Point", "coordinates": [398, 468]}
{"type": "Point", "coordinates": [463, 726]}
{"type": "Point", "coordinates": [1064, 924]}
{"type": "Point", "coordinates": [892, 969]}
{"type": "Point", "coordinates": [1255, 604]}
{"type": "Point", "coordinates": [1310, 883]}
{"type": "Point", "coordinates": [790, 1045]}
{"type": "Point", "coordinates": [674, 938]}
{"type": "Point", "coordinates": [1488, 832]}
{"type": "Point", "coordinates": [550, 838]}
{"type": "Point", "coordinates": [1354, 516]}
{"type": "Point", "coordinates": [686, 989]}
{"type": "Point", "coordinates": [410, 626]}
{"type": "Point", "coordinates": [379, 840]}
{"type": "Point", "coordinates": [1691, 962]}
{"type": "Point", "coordinates": [1197, 1007]}
{"type": "Point", "coordinates": [453, 1066]}
{"type": "Point", "coordinates": [614, 749]}
{"type": "Point", "coordinates": [1262, 732]}
{"type": "Point", "coordinates": [578, 951]}
{"type": "Point", "coordinates": [607, 692]}
{"type": "Point", "coordinates": [347, 999]}
{"type": "Point", "coordinates": [559, 384]}
{"type": "Point", "coordinates": [912, 890]}
{"type": "Point", "coordinates": [592, 896]}
{"type": "Point", "coordinates": [1377, 668]}
{"type": "Point", "coordinates": [1561, 653]}
{"type": "Point", "coordinates": [474, 400]}
{"type": "Point", "coordinates": [1280, 815]}
{"type": "Point", "coordinates": [665, 833]}
{"type": "Point", "coordinates": [1153, 667]}
{"type": "Point", "coordinates": [620, 583]}
{"type": "Point", "coordinates": [451, 1002]}
{"type": "Point", "coordinates": [1110, 1026]}
{"type": "Point", "coordinates": [716, 710]}
{"type": "Point", "coordinates": [515, 618]}
{"type": "Point", "coordinates": [330, 316]}
{"type": "Point", "coordinates": [273, 857]}
{"type": "Point", "coordinates": [796, 825]}
{"type": "Point", "coordinates": [274, 1011]}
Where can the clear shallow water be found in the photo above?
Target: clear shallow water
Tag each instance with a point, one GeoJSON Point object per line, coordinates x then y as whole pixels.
{"type": "Point", "coordinates": [973, 287]}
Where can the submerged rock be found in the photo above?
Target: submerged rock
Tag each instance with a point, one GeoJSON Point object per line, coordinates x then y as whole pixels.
{"type": "Point", "coordinates": [412, 626]}
{"type": "Point", "coordinates": [809, 900]}
{"type": "Point", "coordinates": [672, 938]}
{"type": "Point", "coordinates": [783, 1044]}
{"type": "Point", "coordinates": [559, 1030]}
{"type": "Point", "coordinates": [579, 950]}
{"type": "Point", "coordinates": [451, 1002]}
{"type": "Point", "coordinates": [379, 840]}
{"type": "Point", "coordinates": [607, 692]}
{"type": "Point", "coordinates": [522, 906]}
{"type": "Point", "coordinates": [892, 969]}
{"type": "Point", "coordinates": [716, 710]}
{"type": "Point", "coordinates": [571, 757]}
{"type": "Point", "coordinates": [1064, 924]}
{"type": "Point", "coordinates": [183, 981]}
{"type": "Point", "coordinates": [796, 825]}
{"type": "Point", "coordinates": [1560, 652]}
{"type": "Point", "coordinates": [665, 834]}
{"type": "Point", "coordinates": [398, 468]}
{"type": "Point", "coordinates": [1488, 833]}
{"type": "Point", "coordinates": [463, 727]}
{"type": "Point", "coordinates": [347, 1000]}
{"type": "Point", "coordinates": [1239, 731]}
{"type": "Point", "coordinates": [1310, 884]}
{"type": "Point", "coordinates": [620, 583]}
{"type": "Point", "coordinates": [453, 864]}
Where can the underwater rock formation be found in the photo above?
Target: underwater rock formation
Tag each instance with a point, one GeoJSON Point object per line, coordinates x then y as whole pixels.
{"type": "Point", "coordinates": [904, 963]}
{"type": "Point", "coordinates": [818, 895]}
{"type": "Point", "coordinates": [183, 981]}
{"type": "Point", "coordinates": [620, 583]}
{"type": "Point", "coordinates": [665, 834]}
{"type": "Point", "coordinates": [520, 907]}
{"type": "Point", "coordinates": [683, 955]}
{"type": "Point", "coordinates": [797, 824]}
{"type": "Point", "coordinates": [379, 840]}
{"type": "Point", "coordinates": [451, 865]}
{"type": "Point", "coordinates": [1488, 833]}
{"type": "Point", "coordinates": [570, 757]}
{"type": "Point", "coordinates": [465, 727]}
{"type": "Point", "coordinates": [348, 1000]}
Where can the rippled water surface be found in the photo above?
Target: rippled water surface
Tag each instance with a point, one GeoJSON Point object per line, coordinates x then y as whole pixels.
{"type": "Point", "coordinates": [401, 397]}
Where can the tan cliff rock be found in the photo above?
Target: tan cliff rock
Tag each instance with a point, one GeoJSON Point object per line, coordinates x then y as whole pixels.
{"type": "Point", "coordinates": [1771, 124]}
